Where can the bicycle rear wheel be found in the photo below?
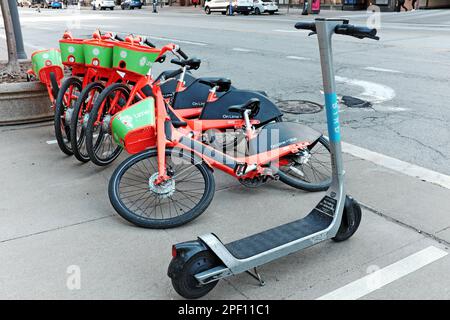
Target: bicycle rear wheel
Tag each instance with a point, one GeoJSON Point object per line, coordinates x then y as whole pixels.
{"type": "Point", "coordinates": [310, 169]}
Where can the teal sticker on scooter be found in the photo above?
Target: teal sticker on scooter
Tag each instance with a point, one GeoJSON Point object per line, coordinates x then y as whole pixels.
{"type": "Point", "coordinates": [332, 107]}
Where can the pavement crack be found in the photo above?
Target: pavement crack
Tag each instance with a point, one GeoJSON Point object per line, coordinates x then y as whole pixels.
{"type": "Point", "coordinates": [54, 229]}
{"type": "Point", "coordinates": [406, 225]}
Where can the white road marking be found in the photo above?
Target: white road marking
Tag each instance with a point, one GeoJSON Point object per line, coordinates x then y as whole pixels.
{"type": "Point", "coordinates": [74, 17]}
{"type": "Point", "coordinates": [386, 275]}
{"type": "Point", "coordinates": [297, 58]}
{"type": "Point", "coordinates": [406, 168]}
{"type": "Point", "coordinates": [288, 31]}
{"type": "Point", "coordinates": [389, 109]}
{"type": "Point", "coordinates": [32, 46]}
{"type": "Point", "coordinates": [52, 142]}
{"type": "Point", "coordinates": [180, 41]}
{"type": "Point", "coordinates": [382, 70]}
{"type": "Point", "coordinates": [241, 50]}
{"type": "Point", "coordinates": [373, 92]}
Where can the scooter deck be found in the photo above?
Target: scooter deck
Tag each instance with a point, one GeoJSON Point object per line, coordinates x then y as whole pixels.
{"type": "Point", "coordinates": [278, 236]}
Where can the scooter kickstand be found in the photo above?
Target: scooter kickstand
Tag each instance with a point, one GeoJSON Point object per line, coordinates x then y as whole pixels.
{"type": "Point", "coordinates": [257, 276]}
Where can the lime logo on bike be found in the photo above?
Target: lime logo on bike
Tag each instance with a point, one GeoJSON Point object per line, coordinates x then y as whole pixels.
{"type": "Point", "coordinates": [143, 61]}
{"type": "Point", "coordinates": [123, 54]}
{"type": "Point", "coordinates": [71, 49]}
{"type": "Point", "coordinates": [332, 107]}
{"type": "Point", "coordinates": [137, 116]}
{"type": "Point", "coordinates": [95, 52]}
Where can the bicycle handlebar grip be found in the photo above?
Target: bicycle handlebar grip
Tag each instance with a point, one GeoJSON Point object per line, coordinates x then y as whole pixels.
{"type": "Point", "coordinates": [356, 31]}
{"type": "Point", "coordinates": [182, 54]}
{"type": "Point", "coordinates": [173, 74]}
{"type": "Point", "coordinates": [177, 62]}
{"type": "Point", "coordinates": [306, 26]}
{"type": "Point", "coordinates": [119, 38]}
{"type": "Point", "coordinates": [148, 43]}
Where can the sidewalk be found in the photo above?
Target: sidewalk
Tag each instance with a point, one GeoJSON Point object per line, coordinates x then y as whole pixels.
{"type": "Point", "coordinates": [55, 213]}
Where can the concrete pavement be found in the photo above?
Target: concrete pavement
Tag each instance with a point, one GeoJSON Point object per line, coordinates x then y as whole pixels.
{"type": "Point", "coordinates": [55, 214]}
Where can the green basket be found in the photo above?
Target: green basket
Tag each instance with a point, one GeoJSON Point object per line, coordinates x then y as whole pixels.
{"type": "Point", "coordinates": [72, 52]}
{"type": "Point", "coordinates": [98, 53]}
{"type": "Point", "coordinates": [45, 58]}
{"type": "Point", "coordinates": [134, 58]}
{"type": "Point", "coordinates": [134, 127]}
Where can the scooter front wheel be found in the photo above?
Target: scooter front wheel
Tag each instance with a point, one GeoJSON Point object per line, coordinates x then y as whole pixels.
{"type": "Point", "coordinates": [183, 280]}
{"type": "Point", "coordinates": [351, 218]}
{"type": "Point", "coordinates": [137, 197]}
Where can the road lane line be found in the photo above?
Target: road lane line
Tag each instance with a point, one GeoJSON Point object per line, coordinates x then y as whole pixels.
{"type": "Point", "coordinates": [51, 142]}
{"type": "Point", "coordinates": [287, 31]}
{"type": "Point", "coordinates": [406, 168]}
{"type": "Point", "coordinates": [180, 41]}
{"type": "Point", "coordinates": [298, 58]}
{"type": "Point", "coordinates": [241, 50]}
{"type": "Point", "coordinates": [386, 275]}
{"type": "Point", "coordinates": [382, 70]}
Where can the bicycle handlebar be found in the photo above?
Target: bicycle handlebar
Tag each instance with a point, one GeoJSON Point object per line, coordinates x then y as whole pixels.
{"type": "Point", "coordinates": [173, 74]}
{"type": "Point", "coordinates": [182, 54]}
{"type": "Point", "coordinates": [148, 43]}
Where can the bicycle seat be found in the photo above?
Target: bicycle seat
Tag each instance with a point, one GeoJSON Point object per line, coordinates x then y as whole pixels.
{"type": "Point", "coordinates": [192, 63]}
{"type": "Point", "coordinates": [223, 84]}
{"type": "Point", "coordinates": [252, 104]}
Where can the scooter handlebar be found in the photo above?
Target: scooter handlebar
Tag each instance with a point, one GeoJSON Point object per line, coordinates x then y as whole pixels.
{"type": "Point", "coordinates": [357, 31]}
{"type": "Point", "coordinates": [344, 29]}
{"type": "Point", "coordinates": [306, 26]}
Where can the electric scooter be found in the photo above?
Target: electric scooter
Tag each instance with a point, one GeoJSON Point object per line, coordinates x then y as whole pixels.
{"type": "Point", "coordinates": [197, 265]}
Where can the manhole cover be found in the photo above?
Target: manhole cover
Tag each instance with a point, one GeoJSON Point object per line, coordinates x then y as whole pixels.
{"type": "Point", "coordinates": [299, 106]}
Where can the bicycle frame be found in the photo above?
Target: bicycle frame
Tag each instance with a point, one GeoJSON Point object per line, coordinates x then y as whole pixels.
{"type": "Point", "coordinates": [184, 138]}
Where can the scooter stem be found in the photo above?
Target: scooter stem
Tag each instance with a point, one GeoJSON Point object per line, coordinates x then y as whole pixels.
{"type": "Point", "coordinates": [325, 30]}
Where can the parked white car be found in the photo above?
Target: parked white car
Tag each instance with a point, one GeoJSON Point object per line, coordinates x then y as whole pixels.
{"type": "Point", "coordinates": [239, 6]}
{"type": "Point", "coordinates": [103, 4]}
{"type": "Point", "coordinates": [263, 6]}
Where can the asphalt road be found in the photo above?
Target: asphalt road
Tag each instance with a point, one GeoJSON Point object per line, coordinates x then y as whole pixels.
{"type": "Point", "coordinates": [405, 74]}
{"type": "Point", "coordinates": [56, 220]}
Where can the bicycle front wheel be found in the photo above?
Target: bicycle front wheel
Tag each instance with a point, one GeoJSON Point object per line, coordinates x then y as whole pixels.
{"type": "Point", "coordinates": [183, 197]}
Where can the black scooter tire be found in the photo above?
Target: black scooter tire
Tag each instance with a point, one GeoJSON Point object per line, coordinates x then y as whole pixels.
{"type": "Point", "coordinates": [183, 280]}
{"type": "Point", "coordinates": [351, 220]}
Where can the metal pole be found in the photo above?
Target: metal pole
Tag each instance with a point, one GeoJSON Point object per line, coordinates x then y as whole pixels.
{"type": "Point", "coordinates": [17, 29]}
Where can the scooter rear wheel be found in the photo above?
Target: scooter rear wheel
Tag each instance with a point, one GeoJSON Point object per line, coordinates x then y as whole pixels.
{"type": "Point", "coordinates": [184, 282]}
